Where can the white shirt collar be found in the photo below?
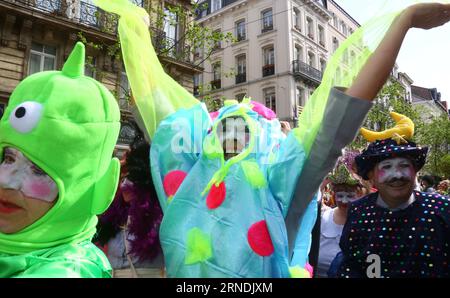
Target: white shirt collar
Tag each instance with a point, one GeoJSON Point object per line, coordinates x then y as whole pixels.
{"type": "Point", "coordinates": [381, 203]}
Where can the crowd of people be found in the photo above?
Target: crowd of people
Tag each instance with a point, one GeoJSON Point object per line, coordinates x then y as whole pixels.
{"type": "Point", "coordinates": [233, 193]}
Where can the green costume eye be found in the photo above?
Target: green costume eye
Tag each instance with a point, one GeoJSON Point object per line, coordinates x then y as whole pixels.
{"type": "Point", "coordinates": [26, 116]}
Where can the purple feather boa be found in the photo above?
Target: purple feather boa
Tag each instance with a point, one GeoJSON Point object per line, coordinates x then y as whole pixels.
{"type": "Point", "coordinates": [145, 219]}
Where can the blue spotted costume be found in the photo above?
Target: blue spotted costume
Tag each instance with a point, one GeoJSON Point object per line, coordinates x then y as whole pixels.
{"type": "Point", "coordinates": [244, 217]}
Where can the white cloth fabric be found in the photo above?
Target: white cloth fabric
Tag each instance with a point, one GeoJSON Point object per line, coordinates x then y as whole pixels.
{"type": "Point", "coordinates": [381, 203]}
{"type": "Point", "coordinates": [330, 235]}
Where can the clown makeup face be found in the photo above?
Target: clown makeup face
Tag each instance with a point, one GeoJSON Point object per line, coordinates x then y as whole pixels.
{"type": "Point", "coordinates": [343, 198]}
{"type": "Point", "coordinates": [234, 136]}
{"type": "Point", "coordinates": [26, 192]}
{"type": "Point", "coordinates": [394, 178]}
{"type": "Point", "coordinates": [345, 194]}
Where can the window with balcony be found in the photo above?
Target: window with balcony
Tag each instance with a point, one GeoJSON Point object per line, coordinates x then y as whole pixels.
{"type": "Point", "coordinates": [338, 76]}
{"type": "Point", "coordinates": [48, 6]}
{"type": "Point", "coordinates": [197, 52]}
{"type": "Point", "coordinates": [239, 97]}
{"type": "Point", "coordinates": [310, 27]}
{"type": "Point", "coordinates": [89, 13]}
{"type": "Point", "coordinates": [170, 31]}
{"type": "Point", "coordinates": [323, 65]}
{"type": "Point", "coordinates": [298, 53]}
{"type": "Point", "coordinates": [352, 57]}
{"type": "Point", "coordinates": [343, 28]}
{"type": "Point", "coordinates": [311, 59]}
{"type": "Point", "coordinates": [335, 21]}
{"type": "Point", "coordinates": [267, 20]}
{"type": "Point", "coordinates": [216, 5]}
{"type": "Point", "coordinates": [345, 57]}
{"type": "Point", "coordinates": [217, 76]}
{"type": "Point", "coordinates": [241, 65]}
{"type": "Point", "coordinates": [90, 67]}
{"type": "Point", "coordinates": [42, 57]}
{"type": "Point", "coordinates": [197, 83]}
{"type": "Point", "coordinates": [300, 97]}
{"type": "Point", "coordinates": [240, 30]}
{"type": "Point", "coordinates": [270, 98]}
{"type": "Point", "coordinates": [321, 36]}
{"type": "Point", "coordinates": [296, 19]}
{"type": "Point", "coordinates": [124, 92]}
{"type": "Point", "coordinates": [218, 43]}
{"type": "Point", "coordinates": [138, 2]}
{"type": "Point", "coordinates": [335, 44]}
{"type": "Point", "coordinates": [269, 61]}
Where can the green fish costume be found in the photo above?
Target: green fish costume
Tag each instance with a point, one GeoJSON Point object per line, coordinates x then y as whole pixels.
{"type": "Point", "coordinates": [68, 126]}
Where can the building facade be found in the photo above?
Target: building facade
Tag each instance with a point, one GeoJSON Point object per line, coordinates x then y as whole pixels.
{"type": "Point", "coordinates": [430, 100]}
{"type": "Point", "coordinates": [280, 53]}
{"type": "Point", "coordinates": [38, 35]}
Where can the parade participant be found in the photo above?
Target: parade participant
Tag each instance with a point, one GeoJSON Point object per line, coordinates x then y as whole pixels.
{"type": "Point", "coordinates": [407, 230]}
{"type": "Point", "coordinates": [129, 228]}
{"type": "Point", "coordinates": [57, 137]}
{"type": "Point", "coordinates": [243, 217]}
{"type": "Point", "coordinates": [444, 187]}
{"type": "Point", "coordinates": [427, 183]}
{"type": "Point", "coordinates": [345, 190]}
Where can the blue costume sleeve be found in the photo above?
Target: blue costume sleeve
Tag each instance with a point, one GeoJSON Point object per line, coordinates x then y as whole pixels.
{"type": "Point", "coordinates": [175, 149]}
{"type": "Point", "coordinates": [284, 172]}
{"type": "Point", "coordinates": [304, 238]}
{"type": "Point", "coordinates": [344, 116]}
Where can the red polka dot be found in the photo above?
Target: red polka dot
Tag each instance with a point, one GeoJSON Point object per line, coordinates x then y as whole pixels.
{"type": "Point", "coordinates": [216, 196]}
{"type": "Point", "coordinates": [259, 239]}
{"type": "Point", "coordinates": [172, 182]}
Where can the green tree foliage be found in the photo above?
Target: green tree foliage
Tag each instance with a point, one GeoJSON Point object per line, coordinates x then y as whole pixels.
{"type": "Point", "coordinates": [445, 166]}
{"type": "Point", "coordinates": [436, 135]}
{"type": "Point", "coordinates": [183, 49]}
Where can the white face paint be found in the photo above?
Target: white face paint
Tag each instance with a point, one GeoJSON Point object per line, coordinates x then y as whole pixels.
{"type": "Point", "coordinates": [395, 170]}
{"type": "Point", "coordinates": [232, 134]}
{"type": "Point", "coordinates": [345, 197]}
{"type": "Point", "coordinates": [19, 173]}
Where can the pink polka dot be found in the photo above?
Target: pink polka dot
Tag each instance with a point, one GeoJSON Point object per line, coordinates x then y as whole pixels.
{"type": "Point", "coordinates": [259, 239]}
{"type": "Point", "coordinates": [263, 110]}
{"type": "Point", "coordinates": [172, 182]}
{"type": "Point", "coordinates": [216, 196]}
{"type": "Point", "coordinates": [214, 115]}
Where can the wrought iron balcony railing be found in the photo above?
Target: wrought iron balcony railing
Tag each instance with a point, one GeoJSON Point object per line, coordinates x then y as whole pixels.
{"type": "Point", "coordinates": [300, 68]}
{"type": "Point", "coordinates": [216, 84]}
{"type": "Point", "coordinates": [170, 47]}
{"type": "Point", "coordinates": [241, 78]}
{"type": "Point", "coordinates": [125, 104]}
{"type": "Point", "coordinates": [76, 11]}
{"type": "Point", "coordinates": [267, 28]}
{"type": "Point", "coordinates": [196, 90]}
{"type": "Point", "coordinates": [268, 70]}
{"type": "Point", "coordinates": [87, 14]}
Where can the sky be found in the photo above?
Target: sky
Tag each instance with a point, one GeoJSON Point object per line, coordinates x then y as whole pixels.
{"type": "Point", "coordinates": [425, 55]}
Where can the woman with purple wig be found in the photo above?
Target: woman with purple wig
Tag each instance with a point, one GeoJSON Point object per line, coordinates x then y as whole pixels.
{"type": "Point", "coordinates": [129, 229]}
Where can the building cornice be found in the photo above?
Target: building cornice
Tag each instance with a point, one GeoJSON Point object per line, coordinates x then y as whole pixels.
{"type": "Point", "coordinates": [344, 12]}
{"type": "Point", "coordinates": [319, 9]}
{"type": "Point", "coordinates": [219, 13]}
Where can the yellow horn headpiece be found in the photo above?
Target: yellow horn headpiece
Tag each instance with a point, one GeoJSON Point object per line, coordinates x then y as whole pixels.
{"type": "Point", "coordinates": [401, 132]}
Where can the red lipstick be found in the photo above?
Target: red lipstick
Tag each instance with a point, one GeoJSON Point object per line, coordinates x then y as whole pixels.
{"type": "Point", "coordinates": [8, 208]}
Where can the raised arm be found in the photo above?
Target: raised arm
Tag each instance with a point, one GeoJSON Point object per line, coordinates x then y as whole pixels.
{"type": "Point", "coordinates": [376, 71]}
{"type": "Point", "coordinates": [155, 93]}
{"type": "Point", "coordinates": [332, 117]}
